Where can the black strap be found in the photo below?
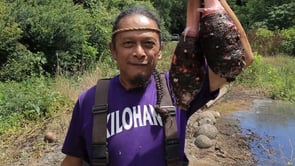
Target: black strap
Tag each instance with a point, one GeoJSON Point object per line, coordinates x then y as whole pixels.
{"type": "Point", "coordinates": [172, 145]}
{"type": "Point", "coordinates": [99, 142]}
{"type": "Point", "coordinates": [100, 109]}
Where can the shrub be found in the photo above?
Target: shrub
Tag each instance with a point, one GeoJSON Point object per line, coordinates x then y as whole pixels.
{"type": "Point", "coordinates": [22, 64]}
{"type": "Point", "coordinates": [61, 31]}
{"type": "Point", "coordinates": [288, 44]}
{"type": "Point", "coordinates": [259, 74]}
{"type": "Point", "coordinates": [9, 32]}
{"type": "Point", "coordinates": [276, 77]}
{"type": "Point", "coordinates": [285, 66]}
{"type": "Point", "coordinates": [32, 99]}
{"type": "Point", "coordinates": [265, 42]}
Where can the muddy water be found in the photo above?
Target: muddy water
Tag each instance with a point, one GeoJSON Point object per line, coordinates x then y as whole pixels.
{"type": "Point", "coordinates": [270, 126]}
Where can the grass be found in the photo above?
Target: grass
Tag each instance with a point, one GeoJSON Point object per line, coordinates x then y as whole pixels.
{"type": "Point", "coordinates": [273, 74]}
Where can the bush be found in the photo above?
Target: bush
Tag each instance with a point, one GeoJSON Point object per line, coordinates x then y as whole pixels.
{"type": "Point", "coordinates": [32, 99]}
{"type": "Point", "coordinates": [285, 66]}
{"type": "Point", "coordinates": [61, 31]}
{"type": "Point", "coordinates": [265, 42]}
{"type": "Point", "coordinates": [9, 33]}
{"type": "Point", "coordinates": [259, 74]}
{"type": "Point", "coordinates": [276, 77]}
{"type": "Point", "coordinates": [288, 44]}
{"type": "Point", "coordinates": [22, 64]}
{"type": "Point", "coordinates": [271, 43]}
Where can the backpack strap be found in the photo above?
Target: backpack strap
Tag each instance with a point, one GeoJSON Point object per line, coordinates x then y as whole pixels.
{"type": "Point", "coordinates": [172, 145]}
{"type": "Point", "coordinates": [100, 110]}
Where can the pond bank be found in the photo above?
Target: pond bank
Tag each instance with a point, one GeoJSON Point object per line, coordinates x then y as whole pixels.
{"type": "Point", "coordinates": [231, 147]}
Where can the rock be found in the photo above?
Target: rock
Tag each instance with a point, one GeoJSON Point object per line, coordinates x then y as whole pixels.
{"type": "Point", "coordinates": [203, 141]}
{"type": "Point", "coordinates": [207, 114]}
{"type": "Point", "coordinates": [215, 113]}
{"type": "Point", "coordinates": [207, 130]}
{"type": "Point", "coordinates": [206, 120]}
{"type": "Point", "coordinates": [50, 137]}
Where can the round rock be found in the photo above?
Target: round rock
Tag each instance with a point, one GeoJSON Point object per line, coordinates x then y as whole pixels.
{"type": "Point", "coordinates": [206, 120]}
{"type": "Point", "coordinates": [207, 130]}
{"type": "Point", "coordinates": [50, 137]}
{"type": "Point", "coordinates": [215, 113]}
{"type": "Point", "coordinates": [207, 114]}
{"type": "Point", "coordinates": [203, 141]}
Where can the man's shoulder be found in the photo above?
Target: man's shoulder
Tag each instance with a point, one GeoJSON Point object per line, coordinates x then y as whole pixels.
{"type": "Point", "coordinates": [88, 93]}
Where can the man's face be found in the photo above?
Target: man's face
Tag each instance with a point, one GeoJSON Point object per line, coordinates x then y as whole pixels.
{"type": "Point", "coordinates": [137, 51]}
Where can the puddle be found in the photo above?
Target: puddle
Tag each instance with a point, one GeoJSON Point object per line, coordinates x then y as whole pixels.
{"type": "Point", "coordinates": [271, 128]}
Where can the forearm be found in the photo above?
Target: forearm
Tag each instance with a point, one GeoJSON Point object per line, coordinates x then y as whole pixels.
{"type": "Point", "coordinates": [192, 18]}
{"type": "Point", "coordinates": [187, 68]}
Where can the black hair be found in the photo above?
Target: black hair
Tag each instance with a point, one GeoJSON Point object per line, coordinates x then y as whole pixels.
{"type": "Point", "coordinates": [134, 10]}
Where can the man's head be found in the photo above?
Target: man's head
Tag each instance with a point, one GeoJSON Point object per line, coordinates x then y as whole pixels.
{"type": "Point", "coordinates": [136, 46]}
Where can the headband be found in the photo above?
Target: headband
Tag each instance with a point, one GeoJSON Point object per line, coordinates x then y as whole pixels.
{"type": "Point", "coordinates": [134, 29]}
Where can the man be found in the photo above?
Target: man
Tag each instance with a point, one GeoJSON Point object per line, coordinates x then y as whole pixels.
{"type": "Point", "coordinates": [135, 131]}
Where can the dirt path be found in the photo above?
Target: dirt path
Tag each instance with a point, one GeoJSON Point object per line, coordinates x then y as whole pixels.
{"type": "Point", "coordinates": [230, 149]}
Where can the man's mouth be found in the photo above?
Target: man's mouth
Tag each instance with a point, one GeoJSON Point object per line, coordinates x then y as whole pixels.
{"type": "Point", "coordinates": [139, 63]}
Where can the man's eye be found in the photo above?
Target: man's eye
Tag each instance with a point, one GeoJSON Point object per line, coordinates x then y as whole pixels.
{"type": "Point", "coordinates": [128, 44]}
{"type": "Point", "coordinates": [149, 44]}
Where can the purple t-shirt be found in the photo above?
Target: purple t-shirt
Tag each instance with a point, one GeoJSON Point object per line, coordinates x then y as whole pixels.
{"type": "Point", "coordinates": [135, 130]}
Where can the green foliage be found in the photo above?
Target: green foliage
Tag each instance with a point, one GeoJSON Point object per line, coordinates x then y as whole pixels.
{"type": "Point", "coordinates": [22, 64]}
{"type": "Point", "coordinates": [62, 36]}
{"type": "Point", "coordinates": [267, 42]}
{"type": "Point", "coordinates": [269, 14]}
{"type": "Point", "coordinates": [167, 53]}
{"type": "Point", "coordinates": [9, 28]}
{"type": "Point", "coordinates": [276, 78]}
{"type": "Point", "coordinates": [54, 27]}
{"type": "Point", "coordinates": [107, 67]}
{"type": "Point", "coordinates": [172, 13]}
{"type": "Point", "coordinates": [119, 5]}
{"type": "Point", "coordinates": [286, 89]}
{"type": "Point", "coordinates": [281, 16]}
{"type": "Point", "coordinates": [259, 74]}
{"type": "Point", "coordinates": [32, 99]}
{"type": "Point", "coordinates": [9, 32]}
{"type": "Point", "coordinates": [288, 44]}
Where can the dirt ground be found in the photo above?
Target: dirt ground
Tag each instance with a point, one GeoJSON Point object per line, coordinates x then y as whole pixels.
{"type": "Point", "coordinates": [231, 147]}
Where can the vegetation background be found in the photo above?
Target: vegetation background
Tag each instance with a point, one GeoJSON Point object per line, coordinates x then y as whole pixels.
{"type": "Point", "coordinates": [52, 50]}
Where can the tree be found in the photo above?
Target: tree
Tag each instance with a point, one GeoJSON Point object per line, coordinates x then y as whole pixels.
{"type": "Point", "coordinates": [58, 29]}
{"type": "Point", "coordinates": [173, 14]}
{"type": "Point", "coordinates": [9, 32]}
{"type": "Point", "coordinates": [16, 62]}
{"type": "Point", "coordinates": [282, 16]}
{"type": "Point", "coordinates": [265, 13]}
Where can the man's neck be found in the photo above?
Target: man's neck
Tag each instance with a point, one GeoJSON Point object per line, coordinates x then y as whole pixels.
{"type": "Point", "coordinates": [136, 83]}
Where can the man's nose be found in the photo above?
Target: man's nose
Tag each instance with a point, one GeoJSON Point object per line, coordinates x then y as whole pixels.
{"type": "Point", "coordinates": [139, 51]}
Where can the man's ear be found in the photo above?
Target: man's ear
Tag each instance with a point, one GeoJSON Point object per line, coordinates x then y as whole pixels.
{"type": "Point", "coordinates": [159, 56]}
{"type": "Point", "coordinates": [112, 49]}
{"type": "Point", "coordinates": [160, 51]}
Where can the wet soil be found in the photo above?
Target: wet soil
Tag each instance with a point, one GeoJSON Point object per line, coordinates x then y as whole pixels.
{"type": "Point", "coordinates": [230, 149]}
